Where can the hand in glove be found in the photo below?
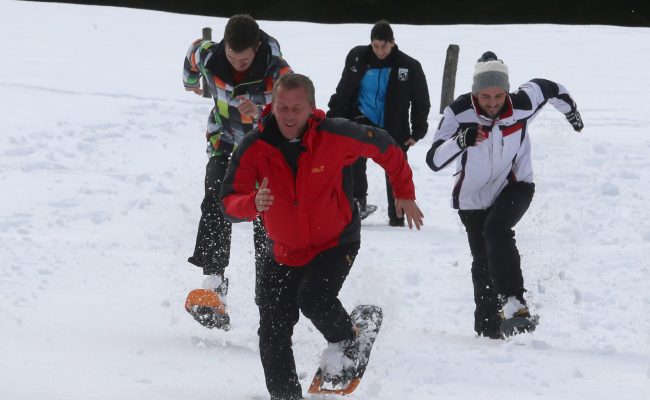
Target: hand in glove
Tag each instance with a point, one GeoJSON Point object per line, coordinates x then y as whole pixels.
{"type": "Point", "coordinates": [575, 120]}
{"type": "Point", "coordinates": [467, 137]}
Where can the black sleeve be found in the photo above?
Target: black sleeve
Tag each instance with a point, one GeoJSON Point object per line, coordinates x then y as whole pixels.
{"type": "Point", "coordinates": [342, 101]}
{"type": "Point", "coordinates": [550, 89]}
{"type": "Point", "coordinates": [420, 104]}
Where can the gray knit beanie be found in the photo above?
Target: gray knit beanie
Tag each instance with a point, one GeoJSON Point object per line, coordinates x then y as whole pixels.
{"type": "Point", "coordinates": [490, 72]}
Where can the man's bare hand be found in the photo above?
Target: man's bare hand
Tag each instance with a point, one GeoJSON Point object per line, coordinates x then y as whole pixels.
{"type": "Point", "coordinates": [411, 211]}
{"type": "Point", "coordinates": [263, 198]}
{"type": "Point", "coordinates": [247, 107]}
{"type": "Point", "coordinates": [410, 142]}
{"type": "Point", "coordinates": [196, 90]}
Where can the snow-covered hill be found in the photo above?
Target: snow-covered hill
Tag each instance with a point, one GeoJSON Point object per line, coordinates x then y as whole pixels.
{"type": "Point", "coordinates": [101, 173]}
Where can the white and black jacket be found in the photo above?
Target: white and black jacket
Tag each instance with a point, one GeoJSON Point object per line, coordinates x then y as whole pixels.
{"type": "Point", "coordinates": [482, 171]}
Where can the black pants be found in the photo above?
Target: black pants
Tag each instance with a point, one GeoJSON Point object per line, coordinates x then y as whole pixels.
{"type": "Point", "coordinates": [281, 292]}
{"type": "Point", "coordinates": [496, 265]}
{"type": "Point", "coordinates": [212, 248]}
{"type": "Point", "coordinates": [360, 179]}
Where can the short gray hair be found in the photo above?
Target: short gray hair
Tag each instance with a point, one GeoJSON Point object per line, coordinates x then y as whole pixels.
{"type": "Point", "coordinates": [294, 81]}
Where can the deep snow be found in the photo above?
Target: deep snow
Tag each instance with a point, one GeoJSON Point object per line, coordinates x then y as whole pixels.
{"type": "Point", "coordinates": [101, 175]}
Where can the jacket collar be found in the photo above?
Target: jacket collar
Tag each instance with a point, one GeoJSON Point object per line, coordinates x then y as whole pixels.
{"type": "Point", "coordinates": [374, 62]}
{"type": "Point", "coordinates": [271, 134]}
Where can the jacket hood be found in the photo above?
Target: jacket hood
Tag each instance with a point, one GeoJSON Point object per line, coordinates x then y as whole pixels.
{"type": "Point", "coordinates": [219, 65]}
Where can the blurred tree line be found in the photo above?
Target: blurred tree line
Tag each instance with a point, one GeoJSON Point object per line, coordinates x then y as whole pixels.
{"type": "Point", "coordinates": [433, 12]}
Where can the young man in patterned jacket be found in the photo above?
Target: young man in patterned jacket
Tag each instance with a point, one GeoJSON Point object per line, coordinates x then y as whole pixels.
{"type": "Point", "coordinates": [487, 133]}
{"type": "Point", "coordinates": [382, 86]}
{"type": "Point", "coordinates": [240, 72]}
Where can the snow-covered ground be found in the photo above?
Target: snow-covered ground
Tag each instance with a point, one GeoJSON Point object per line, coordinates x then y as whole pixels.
{"type": "Point", "coordinates": [101, 176]}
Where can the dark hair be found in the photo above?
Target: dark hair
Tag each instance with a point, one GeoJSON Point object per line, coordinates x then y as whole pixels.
{"type": "Point", "coordinates": [382, 31]}
{"type": "Point", "coordinates": [294, 81]}
{"type": "Point", "coordinates": [242, 32]}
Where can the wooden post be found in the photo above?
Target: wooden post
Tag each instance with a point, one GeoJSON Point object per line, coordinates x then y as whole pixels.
{"type": "Point", "coordinates": [207, 35]}
{"type": "Point", "coordinates": [449, 77]}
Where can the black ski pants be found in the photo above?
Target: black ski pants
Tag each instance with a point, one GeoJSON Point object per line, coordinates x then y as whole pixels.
{"type": "Point", "coordinates": [496, 265]}
{"type": "Point", "coordinates": [360, 188]}
{"type": "Point", "coordinates": [282, 292]}
{"type": "Point", "coordinates": [212, 248]}
{"type": "Point", "coordinates": [360, 179]}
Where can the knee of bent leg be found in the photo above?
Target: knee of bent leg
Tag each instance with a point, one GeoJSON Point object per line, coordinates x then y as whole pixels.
{"type": "Point", "coordinates": [309, 304]}
{"type": "Point", "coordinates": [495, 229]}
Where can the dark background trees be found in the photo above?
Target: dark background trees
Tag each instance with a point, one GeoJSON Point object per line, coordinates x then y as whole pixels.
{"type": "Point", "coordinates": [610, 12]}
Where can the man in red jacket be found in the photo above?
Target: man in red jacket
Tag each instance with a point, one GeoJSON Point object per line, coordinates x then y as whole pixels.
{"type": "Point", "coordinates": [303, 162]}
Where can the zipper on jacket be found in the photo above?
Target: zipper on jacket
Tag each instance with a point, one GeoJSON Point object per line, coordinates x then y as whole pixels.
{"type": "Point", "coordinates": [295, 182]}
{"type": "Point", "coordinates": [295, 178]}
{"type": "Point", "coordinates": [491, 153]}
{"type": "Point", "coordinates": [377, 97]}
{"type": "Point", "coordinates": [502, 144]}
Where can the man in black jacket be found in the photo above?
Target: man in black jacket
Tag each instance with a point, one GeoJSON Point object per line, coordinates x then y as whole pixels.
{"type": "Point", "coordinates": [378, 86]}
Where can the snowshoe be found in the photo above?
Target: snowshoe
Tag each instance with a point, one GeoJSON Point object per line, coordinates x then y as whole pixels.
{"type": "Point", "coordinates": [516, 317]}
{"type": "Point", "coordinates": [364, 209]}
{"type": "Point", "coordinates": [370, 208]}
{"type": "Point", "coordinates": [343, 364]}
{"type": "Point", "coordinates": [515, 325]}
{"type": "Point", "coordinates": [208, 307]}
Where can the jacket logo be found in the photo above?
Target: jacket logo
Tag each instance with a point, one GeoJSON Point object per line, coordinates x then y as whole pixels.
{"type": "Point", "coordinates": [354, 68]}
{"type": "Point", "coordinates": [403, 74]}
{"type": "Point", "coordinates": [318, 170]}
{"type": "Point", "coordinates": [370, 134]}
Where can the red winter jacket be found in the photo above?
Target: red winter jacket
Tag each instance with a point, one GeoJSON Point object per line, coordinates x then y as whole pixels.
{"type": "Point", "coordinates": [313, 211]}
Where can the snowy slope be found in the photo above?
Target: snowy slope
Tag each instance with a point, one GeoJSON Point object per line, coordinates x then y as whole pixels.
{"type": "Point", "coordinates": [101, 170]}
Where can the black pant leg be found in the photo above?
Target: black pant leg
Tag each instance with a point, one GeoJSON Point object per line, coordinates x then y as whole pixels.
{"type": "Point", "coordinates": [260, 242]}
{"type": "Point", "coordinates": [212, 248]}
{"type": "Point", "coordinates": [392, 210]}
{"type": "Point", "coordinates": [486, 313]}
{"type": "Point", "coordinates": [359, 178]}
{"type": "Point", "coordinates": [319, 290]}
{"type": "Point", "coordinates": [276, 297]}
{"type": "Point", "coordinates": [503, 256]}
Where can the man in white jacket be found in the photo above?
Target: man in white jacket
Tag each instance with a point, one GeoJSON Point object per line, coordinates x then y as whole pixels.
{"type": "Point", "coordinates": [486, 132]}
